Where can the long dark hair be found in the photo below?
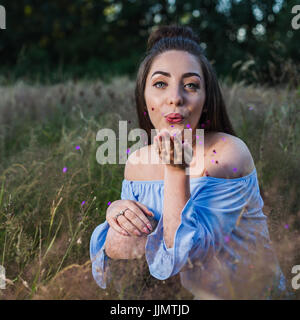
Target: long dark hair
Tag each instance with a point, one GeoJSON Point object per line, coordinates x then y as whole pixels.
{"type": "Point", "coordinates": [214, 116]}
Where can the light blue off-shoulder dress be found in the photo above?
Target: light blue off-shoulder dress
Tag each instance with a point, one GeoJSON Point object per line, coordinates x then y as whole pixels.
{"type": "Point", "coordinates": [222, 246]}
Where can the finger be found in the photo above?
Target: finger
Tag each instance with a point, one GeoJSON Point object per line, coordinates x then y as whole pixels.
{"type": "Point", "coordinates": [145, 209]}
{"type": "Point", "coordinates": [157, 148]}
{"type": "Point", "coordinates": [136, 221]}
{"type": "Point", "coordinates": [140, 210]}
{"type": "Point", "coordinates": [114, 224]}
{"type": "Point", "coordinates": [188, 153]}
{"type": "Point", "coordinates": [127, 225]}
{"type": "Point", "coordinates": [177, 150]}
{"type": "Point", "coordinates": [167, 147]}
{"type": "Point", "coordinates": [162, 145]}
{"type": "Point", "coordinates": [188, 148]}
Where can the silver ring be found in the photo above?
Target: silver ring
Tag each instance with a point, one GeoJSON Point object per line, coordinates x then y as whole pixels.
{"type": "Point", "coordinates": [120, 213]}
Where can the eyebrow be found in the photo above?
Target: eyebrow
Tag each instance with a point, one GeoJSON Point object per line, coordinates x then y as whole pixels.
{"type": "Point", "coordinates": [185, 75]}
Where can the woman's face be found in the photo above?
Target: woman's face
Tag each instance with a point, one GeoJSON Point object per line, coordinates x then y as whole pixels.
{"type": "Point", "coordinates": [175, 84]}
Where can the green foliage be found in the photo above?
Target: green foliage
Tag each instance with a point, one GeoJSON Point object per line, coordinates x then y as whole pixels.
{"type": "Point", "coordinates": [59, 39]}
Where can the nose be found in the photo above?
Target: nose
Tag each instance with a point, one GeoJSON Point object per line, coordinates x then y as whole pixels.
{"type": "Point", "coordinates": [175, 97]}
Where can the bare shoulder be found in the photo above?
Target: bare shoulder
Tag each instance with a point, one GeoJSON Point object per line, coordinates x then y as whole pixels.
{"type": "Point", "coordinates": [136, 167]}
{"type": "Point", "coordinates": [228, 157]}
{"type": "Point", "coordinates": [131, 166]}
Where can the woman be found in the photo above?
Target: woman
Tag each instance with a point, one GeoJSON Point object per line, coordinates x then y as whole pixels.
{"type": "Point", "coordinates": [210, 225]}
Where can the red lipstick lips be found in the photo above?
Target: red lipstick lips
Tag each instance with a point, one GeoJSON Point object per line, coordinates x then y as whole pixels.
{"type": "Point", "coordinates": [174, 118]}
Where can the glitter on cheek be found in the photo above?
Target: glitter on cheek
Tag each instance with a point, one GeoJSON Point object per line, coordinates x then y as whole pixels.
{"type": "Point", "coordinates": [223, 139]}
{"type": "Point", "coordinates": [212, 160]}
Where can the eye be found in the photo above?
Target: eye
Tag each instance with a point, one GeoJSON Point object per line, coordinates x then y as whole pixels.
{"type": "Point", "coordinates": [194, 85]}
{"type": "Point", "coordinates": [159, 82]}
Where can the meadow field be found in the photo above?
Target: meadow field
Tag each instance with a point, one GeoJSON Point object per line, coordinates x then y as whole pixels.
{"type": "Point", "coordinates": [53, 193]}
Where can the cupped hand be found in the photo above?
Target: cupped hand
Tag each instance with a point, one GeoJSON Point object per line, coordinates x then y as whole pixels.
{"type": "Point", "coordinates": [134, 221]}
{"type": "Point", "coordinates": [174, 153]}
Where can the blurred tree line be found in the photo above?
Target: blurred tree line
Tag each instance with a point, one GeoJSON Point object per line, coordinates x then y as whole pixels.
{"type": "Point", "coordinates": [244, 39]}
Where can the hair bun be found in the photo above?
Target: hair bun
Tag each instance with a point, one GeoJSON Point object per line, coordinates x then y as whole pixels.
{"type": "Point", "coordinates": [171, 31]}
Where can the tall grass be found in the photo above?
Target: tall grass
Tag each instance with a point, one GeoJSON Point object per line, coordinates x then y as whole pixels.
{"type": "Point", "coordinates": [47, 214]}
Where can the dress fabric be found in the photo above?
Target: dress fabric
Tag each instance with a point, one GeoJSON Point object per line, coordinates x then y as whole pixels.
{"type": "Point", "coordinates": [221, 247]}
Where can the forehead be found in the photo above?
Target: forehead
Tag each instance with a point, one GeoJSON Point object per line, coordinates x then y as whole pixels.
{"type": "Point", "coordinates": [175, 62]}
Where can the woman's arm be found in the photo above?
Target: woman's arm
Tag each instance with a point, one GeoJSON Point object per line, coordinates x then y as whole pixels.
{"type": "Point", "coordinates": [176, 195]}
{"type": "Point", "coordinates": [234, 160]}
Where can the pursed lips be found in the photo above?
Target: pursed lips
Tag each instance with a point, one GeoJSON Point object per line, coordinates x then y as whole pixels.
{"type": "Point", "coordinates": [174, 117]}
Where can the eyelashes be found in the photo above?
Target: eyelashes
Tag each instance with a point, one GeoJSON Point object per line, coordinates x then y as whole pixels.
{"type": "Point", "coordinates": [194, 85]}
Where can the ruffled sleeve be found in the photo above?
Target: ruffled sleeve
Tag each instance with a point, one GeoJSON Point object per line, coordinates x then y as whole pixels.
{"type": "Point", "coordinates": [98, 257]}
{"type": "Point", "coordinates": [209, 216]}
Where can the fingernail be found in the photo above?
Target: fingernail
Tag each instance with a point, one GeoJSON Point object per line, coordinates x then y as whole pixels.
{"type": "Point", "coordinates": [149, 226]}
{"type": "Point", "coordinates": [146, 230]}
{"type": "Point", "coordinates": [136, 232]}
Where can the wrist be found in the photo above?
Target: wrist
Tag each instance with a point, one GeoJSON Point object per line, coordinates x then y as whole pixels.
{"type": "Point", "coordinates": [176, 168]}
{"type": "Point", "coordinates": [176, 172]}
